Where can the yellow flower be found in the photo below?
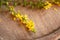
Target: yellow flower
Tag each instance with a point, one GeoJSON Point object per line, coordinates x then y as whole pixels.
{"type": "Point", "coordinates": [13, 13]}
{"type": "Point", "coordinates": [7, 3]}
{"type": "Point", "coordinates": [32, 29]}
{"type": "Point", "coordinates": [58, 3]}
{"type": "Point", "coordinates": [11, 8]}
{"type": "Point", "coordinates": [25, 19]}
{"type": "Point", "coordinates": [30, 25]}
{"type": "Point", "coordinates": [19, 16]}
{"type": "Point", "coordinates": [48, 5]}
{"type": "Point", "coordinates": [14, 19]}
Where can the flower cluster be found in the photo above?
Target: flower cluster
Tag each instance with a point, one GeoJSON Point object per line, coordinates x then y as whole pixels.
{"type": "Point", "coordinates": [56, 2]}
{"type": "Point", "coordinates": [47, 5]}
{"type": "Point", "coordinates": [39, 4]}
{"type": "Point", "coordinates": [24, 19]}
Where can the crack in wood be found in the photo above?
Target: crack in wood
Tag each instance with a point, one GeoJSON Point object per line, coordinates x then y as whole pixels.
{"type": "Point", "coordinates": [48, 33]}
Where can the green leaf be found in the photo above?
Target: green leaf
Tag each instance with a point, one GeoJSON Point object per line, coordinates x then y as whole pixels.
{"type": "Point", "coordinates": [32, 4]}
{"type": "Point", "coordinates": [40, 4]}
{"type": "Point", "coordinates": [14, 3]}
{"type": "Point", "coordinates": [25, 3]}
{"type": "Point", "coordinates": [0, 3]}
{"type": "Point", "coordinates": [34, 30]}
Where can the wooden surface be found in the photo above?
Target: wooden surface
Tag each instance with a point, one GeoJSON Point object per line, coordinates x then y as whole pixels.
{"type": "Point", "coordinates": [47, 25]}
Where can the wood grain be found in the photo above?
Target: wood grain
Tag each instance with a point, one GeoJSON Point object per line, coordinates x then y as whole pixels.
{"type": "Point", "coordinates": [46, 23]}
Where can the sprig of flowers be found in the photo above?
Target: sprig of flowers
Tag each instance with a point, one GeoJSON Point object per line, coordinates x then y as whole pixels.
{"type": "Point", "coordinates": [39, 4]}
{"type": "Point", "coordinates": [56, 2]}
{"type": "Point", "coordinates": [23, 19]}
{"type": "Point", "coordinates": [47, 5]}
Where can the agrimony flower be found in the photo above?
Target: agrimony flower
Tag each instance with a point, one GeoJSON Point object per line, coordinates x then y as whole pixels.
{"type": "Point", "coordinates": [47, 5]}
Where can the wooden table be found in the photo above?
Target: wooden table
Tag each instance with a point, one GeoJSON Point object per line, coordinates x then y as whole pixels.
{"type": "Point", "coordinates": [47, 24]}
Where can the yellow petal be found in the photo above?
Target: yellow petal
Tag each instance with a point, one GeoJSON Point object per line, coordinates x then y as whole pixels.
{"type": "Point", "coordinates": [48, 5]}
{"type": "Point", "coordinates": [11, 8]}
{"type": "Point", "coordinates": [14, 19]}
{"type": "Point", "coordinates": [12, 13]}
